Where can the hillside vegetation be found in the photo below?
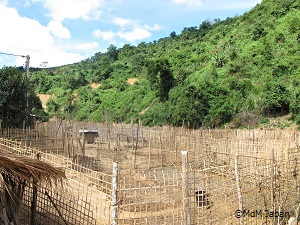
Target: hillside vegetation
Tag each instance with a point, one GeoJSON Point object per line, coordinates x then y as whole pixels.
{"type": "Point", "coordinates": [239, 71]}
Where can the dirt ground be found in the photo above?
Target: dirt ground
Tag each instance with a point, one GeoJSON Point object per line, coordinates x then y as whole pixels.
{"type": "Point", "coordinates": [131, 81]}
{"type": "Point", "coordinates": [44, 99]}
{"type": "Point", "coordinates": [140, 158]}
{"type": "Point", "coordinates": [95, 85]}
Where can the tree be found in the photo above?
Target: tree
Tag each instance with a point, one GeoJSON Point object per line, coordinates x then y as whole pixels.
{"type": "Point", "coordinates": [18, 101]}
{"type": "Point", "coordinates": [173, 34]}
{"type": "Point", "coordinates": [112, 52]}
{"type": "Point", "coordinates": [276, 98]}
{"type": "Point", "coordinates": [205, 25]}
{"type": "Point", "coordinates": [189, 106]}
{"type": "Point", "coordinates": [201, 104]}
{"type": "Point", "coordinates": [160, 77]}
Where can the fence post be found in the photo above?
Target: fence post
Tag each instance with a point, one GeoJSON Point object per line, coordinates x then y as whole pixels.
{"type": "Point", "coordinates": [114, 197]}
{"type": "Point", "coordinates": [295, 175]}
{"type": "Point", "coordinates": [238, 186]}
{"type": "Point", "coordinates": [34, 196]}
{"type": "Point", "coordinates": [185, 189]}
{"type": "Point", "coordinates": [273, 193]}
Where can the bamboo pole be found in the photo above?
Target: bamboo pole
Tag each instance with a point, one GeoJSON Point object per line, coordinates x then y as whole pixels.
{"type": "Point", "coordinates": [295, 175]}
{"type": "Point", "coordinates": [83, 141]}
{"type": "Point", "coordinates": [160, 148]}
{"type": "Point", "coordinates": [114, 197]}
{"type": "Point", "coordinates": [238, 187]}
{"type": "Point", "coordinates": [34, 197]}
{"type": "Point", "coordinates": [272, 182]}
{"type": "Point", "coordinates": [108, 134]}
{"type": "Point", "coordinates": [149, 154]}
{"type": "Point", "coordinates": [141, 131]}
{"type": "Point", "coordinates": [185, 189]}
{"type": "Point", "coordinates": [57, 209]}
{"type": "Point", "coordinates": [136, 145]}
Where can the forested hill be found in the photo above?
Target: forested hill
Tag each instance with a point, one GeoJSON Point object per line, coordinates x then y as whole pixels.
{"type": "Point", "coordinates": [239, 71]}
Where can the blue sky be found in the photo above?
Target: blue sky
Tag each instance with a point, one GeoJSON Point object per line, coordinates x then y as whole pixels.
{"type": "Point", "coordinates": [66, 31]}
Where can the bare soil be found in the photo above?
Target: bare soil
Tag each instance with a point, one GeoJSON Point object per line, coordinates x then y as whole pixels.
{"type": "Point", "coordinates": [131, 81]}
{"type": "Point", "coordinates": [95, 85]}
{"type": "Point", "coordinates": [44, 99]}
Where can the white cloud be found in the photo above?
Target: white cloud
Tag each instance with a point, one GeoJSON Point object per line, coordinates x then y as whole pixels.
{"type": "Point", "coordinates": [74, 9]}
{"type": "Point", "coordinates": [21, 33]}
{"type": "Point", "coordinates": [196, 3]}
{"type": "Point", "coordinates": [87, 46]}
{"type": "Point", "coordinates": [105, 35]}
{"type": "Point", "coordinates": [123, 23]}
{"type": "Point", "coordinates": [58, 30]}
{"type": "Point", "coordinates": [25, 36]}
{"type": "Point", "coordinates": [155, 27]}
{"type": "Point", "coordinates": [136, 34]}
{"type": "Point", "coordinates": [4, 2]}
{"type": "Point", "coordinates": [132, 31]}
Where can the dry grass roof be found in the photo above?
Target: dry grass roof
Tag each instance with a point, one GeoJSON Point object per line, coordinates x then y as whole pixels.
{"type": "Point", "coordinates": [30, 169]}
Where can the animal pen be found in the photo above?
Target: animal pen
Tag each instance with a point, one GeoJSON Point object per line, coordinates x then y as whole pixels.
{"type": "Point", "coordinates": [163, 175]}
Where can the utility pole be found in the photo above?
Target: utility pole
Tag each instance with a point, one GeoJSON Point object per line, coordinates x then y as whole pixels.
{"type": "Point", "coordinates": [27, 101]}
{"type": "Point", "coordinates": [27, 65]}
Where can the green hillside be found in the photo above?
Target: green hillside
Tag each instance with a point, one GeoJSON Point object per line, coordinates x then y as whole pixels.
{"type": "Point", "coordinates": [239, 71]}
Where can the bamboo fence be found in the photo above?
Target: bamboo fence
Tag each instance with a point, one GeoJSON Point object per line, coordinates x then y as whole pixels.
{"type": "Point", "coordinates": [83, 199]}
{"type": "Point", "coordinates": [254, 171]}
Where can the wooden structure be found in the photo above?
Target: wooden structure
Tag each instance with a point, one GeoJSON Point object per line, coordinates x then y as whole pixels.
{"type": "Point", "coordinates": [90, 135]}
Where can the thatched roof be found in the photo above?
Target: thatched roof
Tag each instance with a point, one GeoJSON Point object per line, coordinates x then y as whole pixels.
{"type": "Point", "coordinates": [30, 169]}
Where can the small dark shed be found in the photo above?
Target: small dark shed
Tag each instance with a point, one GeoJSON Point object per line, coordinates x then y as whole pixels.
{"type": "Point", "coordinates": [90, 135]}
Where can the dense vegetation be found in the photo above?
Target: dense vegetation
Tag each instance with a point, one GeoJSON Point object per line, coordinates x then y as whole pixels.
{"type": "Point", "coordinates": [19, 105]}
{"type": "Point", "coordinates": [240, 71]}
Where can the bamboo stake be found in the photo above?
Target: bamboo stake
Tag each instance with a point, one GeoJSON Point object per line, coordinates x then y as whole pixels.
{"type": "Point", "coordinates": [114, 197]}
{"type": "Point", "coordinates": [185, 189]}
{"type": "Point", "coordinates": [107, 134]}
{"type": "Point", "coordinates": [57, 210]}
{"type": "Point", "coordinates": [238, 187]}
{"type": "Point", "coordinates": [272, 182]}
{"type": "Point", "coordinates": [136, 145]}
{"type": "Point", "coordinates": [141, 131]}
{"type": "Point", "coordinates": [149, 158]}
{"type": "Point", "coordinates": [34, 198]}
{"type": "Point", "coordinates": [295, 175]}
{"type": "Point", "coordinates": [160, 148]}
